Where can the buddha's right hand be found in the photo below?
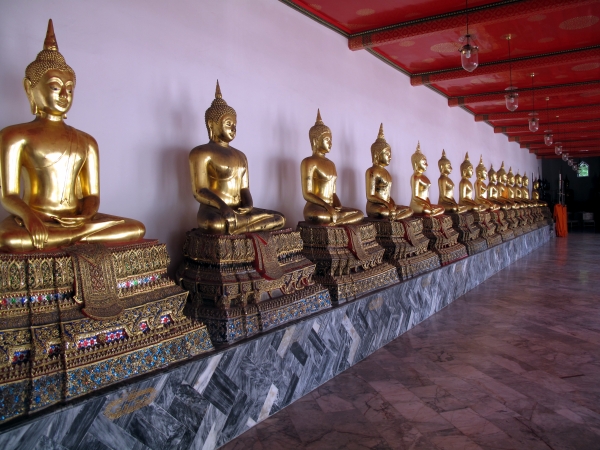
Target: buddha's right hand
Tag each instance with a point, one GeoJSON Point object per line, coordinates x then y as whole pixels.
{"type": "Point", "coordinates": [334, 213]}
{"type": "Point", "coordinates": [37, 230]}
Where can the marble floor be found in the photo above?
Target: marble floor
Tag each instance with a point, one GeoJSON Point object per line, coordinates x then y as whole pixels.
{"type": "Point", "coordinates": [513, 364]}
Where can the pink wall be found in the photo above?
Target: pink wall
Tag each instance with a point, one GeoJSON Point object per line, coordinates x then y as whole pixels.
{"type": "Point", "coordinates": [146, 72]}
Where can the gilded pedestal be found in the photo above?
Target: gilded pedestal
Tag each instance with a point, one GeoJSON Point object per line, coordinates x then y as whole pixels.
{"type": "Point", "coordinates": [348, 258]}
{"type": "Point", "coordinates": [483, 221]}
{"type": "Point", "coordinates": [468, 233]}
{"type": "Point", "coordinates": [502, 225]}
{"type": "Point", "coordinates": [405, 246]}
{"type": "Point", "coordinates": [241, 285]}
{"type": "Point", "coordinates": [51, 349]}
{"type": "Point", "coordinates": [443, 239]}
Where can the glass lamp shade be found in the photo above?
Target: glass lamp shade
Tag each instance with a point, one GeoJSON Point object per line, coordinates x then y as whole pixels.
{"type": "Point", "coordinates": [570, 162]}
{"type": "Point", "coordinates": [512, 99]}
{"type": "Point", "coordinates": [469, 57]}
{"type": "Point", "coordinates": [534, 122]}
{"type": "Point", "coordinates": [575, 167]}
{"type": "Point", "coordinates": [548, 138]}
{"type": "Point", "coordinates": [565, 156]}
{"type": "Point", "coordinates": [558, 149]}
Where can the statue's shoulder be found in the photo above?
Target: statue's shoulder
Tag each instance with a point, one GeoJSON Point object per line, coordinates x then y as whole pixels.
{"type": "Point", "coordinates": [87, 138]}
{"type": "Point", "coordinates": [16, 132]}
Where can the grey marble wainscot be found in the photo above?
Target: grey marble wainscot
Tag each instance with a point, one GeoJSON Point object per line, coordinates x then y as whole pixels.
{"type": "Point", "coordinates": [206, 402]}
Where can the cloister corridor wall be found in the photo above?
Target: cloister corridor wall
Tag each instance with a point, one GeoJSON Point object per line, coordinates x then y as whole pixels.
{"type": "Point", "coordinates": [146, 72]}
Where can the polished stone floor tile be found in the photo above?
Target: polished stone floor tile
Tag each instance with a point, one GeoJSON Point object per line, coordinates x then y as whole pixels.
{"type": "Point", "coordinates": [512, 364]}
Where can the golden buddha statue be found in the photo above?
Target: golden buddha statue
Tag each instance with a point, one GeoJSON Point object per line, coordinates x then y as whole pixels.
{"type": "Point", "coordinates": [512, 189]}
{"type": "Point", "coordinates": [522, 191]}
{"type": "Point", "coordinates": [535, 194]}
{"type": "Point", "coordinates": [503, 191]}
{"type": "Point", "coordinates": [419, 184]}
{"type": "Point", "coordinates": [493, 191]}
{"type": "Point", "coordinates": [446, 187]}
{"type": "Point", "coordinates": [59, 202]}
{"type": "Point", "coordinates": [525, 190]}
{"type": "Point", "coordinates": [220, 180]}
{"type": "Point", "coordinates": [481, 192]}
{"type": "Point", "coordinates": [465, 187]}
{"type": "Point", "coordinates": [319, 176]}
{"type": "Point", "coordinates": [380, 205]}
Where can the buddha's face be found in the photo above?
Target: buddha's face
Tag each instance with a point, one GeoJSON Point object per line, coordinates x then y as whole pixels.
{"type": "Point", "coordinates": [422, 164]}
{"type": "Point", "coordinates": [225, 128]}
{"type": "Point", "coordinates": [385, 157]}
{"type": "Point", "coordinates": [511, 180]}
{"type": "Point", "coordinates": [519, 180]}
{"type": "Point", "coordinates": [445, 168]}
{"type": "Point", "coordinates": [503, 178]}
{"type": "Point", "coordinates": [324, 143]}
{"type": "Point", "coordinates": [468, 171]}
{"type": "Point", "coordinates": [481, 174]}
{"type": "Point", "coordinates": [53, 94]}
{"type": "Point", "coordinates": [525, 182]}
{"type": "Point", "coordinates": [494, 177]}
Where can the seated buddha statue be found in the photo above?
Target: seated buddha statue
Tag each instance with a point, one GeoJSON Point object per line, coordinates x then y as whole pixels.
{"type": "Point", "coordinates": [465, 187]}
{"type": "Point", "coordinates": [446, 187]}
{"type": "Point", "coordinates": [513, 191]}
{"type": "Point", "coordinates": [525, 190]}
{"type": "Point", "coordinates": [535, 194]}
{"type": "Point", "coordinates": [522, 192]}
{"type": "Point", "coordinates": [318, 176]}
{"type": "Point", "coordinates": [55, 203]}
{"type": "Point", "coordinates": [481, 190]}
{"type": "Point", "coordinates": [503, 190]}
{"type": "Point", "coordinates": [419, 184]}
{"type": "Point", "coordinates": [493, 191]}
{"type": "Point", "coordinates": [220, 179]}
{"type": "Point", "coordinates": [380, 205]}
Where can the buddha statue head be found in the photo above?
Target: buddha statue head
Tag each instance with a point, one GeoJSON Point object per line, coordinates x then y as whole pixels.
{"type": "Point", "coordinates": [502, 177]}
{"type": "Point", "coordinates": [418, 160]}
{"type": "Point", "coordinates": [320, 136]}
{"type": "Point", "coordinates": [525, 181]}
{"type": "Point", "coordinates": [480, 170]}
{"type": "Point", "coordinates": [220, 119]}
{"type": "Point", "coordinates": [519, 179]}
{"type": "Point", "coordinates": [49, 82]}
{"type": "Point", "coordinates": [510, 177]}
{"type": "Point", "coordinates": [444, 164]}
{"type": "Point", "coordinates": [381, 152]}
{"type": "Point", "coordinates": [492, 175]}
{"type": "Point", "coordinates": [466, 168]}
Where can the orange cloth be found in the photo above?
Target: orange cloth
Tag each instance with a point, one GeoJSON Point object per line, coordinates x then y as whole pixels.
{"type": "Point", "coordinates": [560, 216]}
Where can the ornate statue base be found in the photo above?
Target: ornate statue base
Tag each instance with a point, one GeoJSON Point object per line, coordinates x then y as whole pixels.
{"type": "Point", "coordinates": [405, 246]}
{"type": "Point", "coordinates": [241, 285]}
{"type": "Point", "coordinates": [547, 215]}
{"type": "Point", "coordinates": [349, 260]}
{"type": "Point", "coordinates": [483, 221]}
{"type": "Point", "coordinates": [521, 216]}
{"type": "Point", "coordinates": [443, 239]}
{"type": "Point", "coordinates": [514, 224]}
{"type": "Point", "coordinates": [499, 218]}
{"type": "Point", "coordinates": [78, 319]}
{"type": "Point", "coordinates": [468, 233]}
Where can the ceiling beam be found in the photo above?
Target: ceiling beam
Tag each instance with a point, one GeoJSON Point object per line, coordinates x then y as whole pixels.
{"type": "Point", "coordinates": [583, 143]}
{"type": "Point", "coordinates": [530, 137]}
{"type": "Point", "coordinates": [552, 112]}
{"type": "Point", "coordinates": [482, 16]}
{"type": "Point", "coordinates": [554, 91]}
{"type": "Point", "coordinates": [532, 64]}
{"type": "Point", "coordinates": [566, 125]}
{"type": "Point", "coordinates": [582, 156]}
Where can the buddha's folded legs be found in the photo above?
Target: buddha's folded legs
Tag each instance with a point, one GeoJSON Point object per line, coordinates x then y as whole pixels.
{"type": "Point", "coordinates": [377, 211]}
{"type": "Point", "coordinates": [317, 214]}
{"type": "Point", "coordinates": [210, 221]}
{"type": "Point", "coordinates": [102, 228]}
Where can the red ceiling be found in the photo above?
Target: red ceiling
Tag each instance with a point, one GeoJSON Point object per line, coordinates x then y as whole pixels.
{"type": "Point", "coordinates": [557, 40]}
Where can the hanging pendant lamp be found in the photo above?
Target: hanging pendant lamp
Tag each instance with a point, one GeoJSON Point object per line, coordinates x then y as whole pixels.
{"type": "Point", "coordinates": [548, 138]}
{"type": "Point", "coordinates": [469, 54]}
{"type": "Point", "coordinates": [534, 122]}
{"type": "Point", "coordinates": [512, 98]}
{"type": "Point", "coordinates": [558, 146]}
